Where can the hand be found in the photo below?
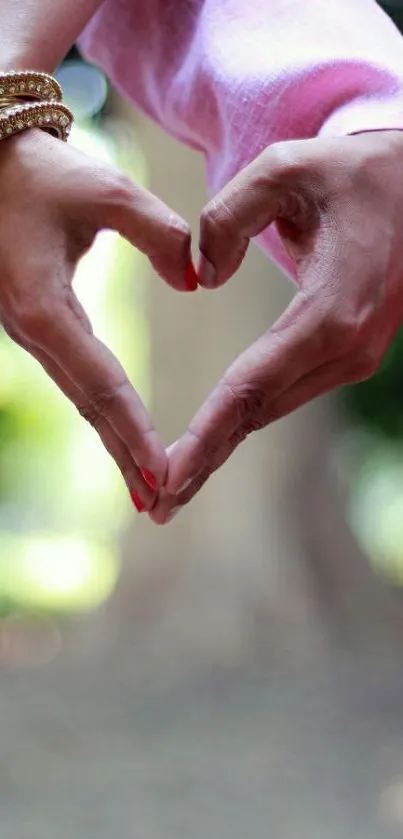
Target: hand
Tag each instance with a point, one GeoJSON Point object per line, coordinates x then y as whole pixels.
{"type": "Point", "coordinates": [54, 200]}
{"type": "Point", "coordinates": [338, 207]}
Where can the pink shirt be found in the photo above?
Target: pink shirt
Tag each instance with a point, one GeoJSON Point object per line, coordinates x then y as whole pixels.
{"type": "Point", "coordinates": [229, 77]}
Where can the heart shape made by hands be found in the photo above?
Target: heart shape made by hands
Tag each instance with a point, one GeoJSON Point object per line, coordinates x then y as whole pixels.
{"type": "Point", "coordinates": [338, 212]}
{"type": "Point", "coordinates": [337, 207]}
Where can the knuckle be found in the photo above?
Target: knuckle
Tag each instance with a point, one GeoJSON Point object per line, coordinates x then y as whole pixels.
{"type": "Point", "coordinates": [251, 425]}
{"type": "Point", "coordinates": [90, 412]}
{"type": "Point", "coordinates": [248, 401]}
{"type": "Point", "coordinates": [179, 228]}
{"type": "Point", "coordinates": [207, 447]}
{"type": "Point", "coordinates": [334, 330]}
{"type": "Point", "coordinates": [98, 404]}
{"type": "Point", "coordinates": [208, 218]}
{"type": "Point", "coordinates": [283, 162]}
{"type": "Point", "coordinates": [279, 156]}
{"type": "Point", "coordinates": [179, 233]}
{"type": "Point", "coordinates": [296, 164]}
{"type": "Point", "coordinates": [216, 217]}
{"type": "Point", "coordinates": [341, 336]}
{"type": "Point", "coordinates": [364, 365]}
{"type": "Point", "coordinates": [243, 432]}
{"type": "Point", "coordinates": [117, 186]}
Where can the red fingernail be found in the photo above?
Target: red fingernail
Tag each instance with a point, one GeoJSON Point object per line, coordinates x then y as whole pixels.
{"type": "Point", "coordinates": [137, 501]}
{"type": "Point", "coordinates": [191, 277]}
{"type": "Point", "coordinates": [150, 479]}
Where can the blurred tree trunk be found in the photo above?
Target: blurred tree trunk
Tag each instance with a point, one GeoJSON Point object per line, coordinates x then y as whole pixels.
{"type": "Point", "coordinates": [359, 606]}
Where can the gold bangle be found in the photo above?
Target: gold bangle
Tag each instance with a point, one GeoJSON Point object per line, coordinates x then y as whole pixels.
{"type": "Point", "coordinates": [30, 84]}
{"type": "Point", "coordinates": [31, 99]}
{"type": "Point", "coordinates": [53, 117]}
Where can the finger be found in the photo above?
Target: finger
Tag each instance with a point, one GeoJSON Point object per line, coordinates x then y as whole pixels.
{"type": "Point", "coordinates": [245, 207]}
{"type": "Point", "coordinates": [167, 506]}
{"type": "Point", "coordinates": [117, 202]}
{"type": "Point", "coordinates": [269, 367]}
{"type": "Point", "coordinates": [142, 495]}
{"type": "Point", "coordinates": [146, 222]}
{"type": "Point", "coordinates": [310, 387]}
{"type": "Point", "coordinates": [64, 335]}
{"type": "Point", "coordinates": [319, 382]}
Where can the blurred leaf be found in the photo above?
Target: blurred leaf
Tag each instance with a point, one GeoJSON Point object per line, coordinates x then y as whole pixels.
{"type": "Point", "coordinates": [378, 402]}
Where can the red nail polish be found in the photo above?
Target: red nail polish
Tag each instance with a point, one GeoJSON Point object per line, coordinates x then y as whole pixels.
{"type": "Point", "coordinates": [137, 501]}
{"type": "Point", "coordinates": [191, 277]}
{"type": "Point", "coordinates": [150, 479]}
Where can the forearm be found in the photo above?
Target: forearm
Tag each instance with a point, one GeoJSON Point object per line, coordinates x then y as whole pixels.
{"type": "Point", "coordinates": [37, 34]}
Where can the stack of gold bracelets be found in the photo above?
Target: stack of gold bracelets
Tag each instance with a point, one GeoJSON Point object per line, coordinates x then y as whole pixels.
{"type": "Point", "coordinates": [30, 99]}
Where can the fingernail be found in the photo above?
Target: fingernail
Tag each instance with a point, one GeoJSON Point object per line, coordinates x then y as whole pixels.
{"type": "Point", "coordinates": [184, 486]}
{"type": "Point", "coordinates": [191, 277]}
{"type": "Point", "coordinates": [137, 501]}
{"type": "Point", "coordinates": [206, 272]}
{"type": "Point", "coordinates": [150, 479]}
{"type": "Point", "coordinates": [174, 512]}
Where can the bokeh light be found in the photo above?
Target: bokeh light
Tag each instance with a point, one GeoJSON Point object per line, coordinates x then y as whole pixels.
{"type": "Point", "coordinates": [56, 573]}
{"type": "Point", "coordinates": [62, 499]}
{"type": "Point", "coordinates": [375, 509]}
{"type": "Point", "coordinates": [85, 88]}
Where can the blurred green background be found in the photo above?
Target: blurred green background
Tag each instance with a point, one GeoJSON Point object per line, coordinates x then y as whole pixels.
{"type": "Point", "coordinates": [62, 502]}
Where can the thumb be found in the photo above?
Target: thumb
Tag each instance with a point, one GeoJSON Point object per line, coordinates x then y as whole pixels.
{"type": "Point", "coordinates": [110, 199]}
{"type": "Point", "coordinates": [263, 192]}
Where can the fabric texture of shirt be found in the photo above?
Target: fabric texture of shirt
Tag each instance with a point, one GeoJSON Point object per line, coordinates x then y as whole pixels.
{"type": "Point", "coordinates": [230, 77]}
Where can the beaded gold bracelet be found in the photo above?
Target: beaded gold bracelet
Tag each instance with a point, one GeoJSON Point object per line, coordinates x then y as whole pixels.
{"type": "Point", "coordinates": [27, 84]}
{"type": "Point", "coordinates": [31, 99]}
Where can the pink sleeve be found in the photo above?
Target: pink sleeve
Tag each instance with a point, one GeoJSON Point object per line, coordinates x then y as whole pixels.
{"type": "Point", "coordinates": [230, 77]}
{"type": "Point", "coordinates": [355, 66]}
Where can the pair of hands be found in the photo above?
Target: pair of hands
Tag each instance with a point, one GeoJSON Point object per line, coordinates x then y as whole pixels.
{"type": "Point", "coordinates": [338, 206]}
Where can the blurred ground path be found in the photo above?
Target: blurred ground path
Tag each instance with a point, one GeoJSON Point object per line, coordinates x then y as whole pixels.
{"type": "Point", "coordinates": [107, 748]}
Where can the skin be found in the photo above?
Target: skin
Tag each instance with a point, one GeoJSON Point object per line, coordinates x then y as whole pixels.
{"type": "Point", "coordinates": [55, 200]}
{"type": "Point", "coordinates": [338, 206]}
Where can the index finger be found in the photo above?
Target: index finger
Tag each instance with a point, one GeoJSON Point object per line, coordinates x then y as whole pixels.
{"type": "Point", "coordinates": [109, 394]}
{"type": "Point", "coordinates": [291, 349]}
{"type": "Point", "coordinates": [100, 196]}
{"type": "Point", "coordinates": [246, 206]}
{"type": "Point", "coordinates": [284, 182]}
{"type": "Point", "coordinates": [119, 203]}
{"type": "Point", "coordinates": [152, 227]}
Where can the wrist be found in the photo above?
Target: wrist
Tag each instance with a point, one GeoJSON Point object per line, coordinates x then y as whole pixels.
{"type": "Point", "coordinates": [30, 99]}
{"type": "Point", "coordinates": [31, 58]}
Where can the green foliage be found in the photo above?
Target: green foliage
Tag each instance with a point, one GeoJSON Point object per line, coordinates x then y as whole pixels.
{"type": "Point", "coordinates": [62, 499]}
{"type": "Point", "coordinates": [378, 402]}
